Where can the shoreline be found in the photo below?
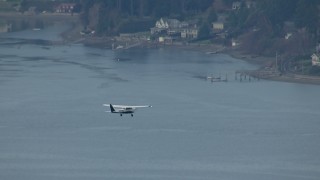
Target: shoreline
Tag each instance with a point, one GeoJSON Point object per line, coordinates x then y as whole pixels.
{"type": "Point", "coordinates": [261, 61]}
{"type": "Point", "coordinates": [72, 35]}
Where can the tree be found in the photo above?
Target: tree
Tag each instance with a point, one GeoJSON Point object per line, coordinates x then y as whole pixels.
{"type": "Point", "coordinates": [307, 15]}
{"type": "Point", "coordinates": [204, 31]}
{"type": "Point", "coordinates": [162, 8]}
{"type": "Point", "coordinates": [238, 18]}
{"type": "Point", "coordinates": [77, 8]}
{"type": "Point", "coordinates": [277, 12]}
{"type": "Point", "coordinates": [114, 12]}
{"type": "Point", "coordinates": [228, 2]}
{"type": "Point", "coordinates": [212, 16]}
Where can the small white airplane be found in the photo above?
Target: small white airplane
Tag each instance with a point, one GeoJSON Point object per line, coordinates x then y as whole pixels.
{"type": "Point", "coordinates": [123, 109]}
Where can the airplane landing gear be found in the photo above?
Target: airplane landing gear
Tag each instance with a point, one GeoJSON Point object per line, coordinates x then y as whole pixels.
{"type": "Point", "coordinates": [131, 115]}
{"type": "Point", "coordinates": [120, 114]}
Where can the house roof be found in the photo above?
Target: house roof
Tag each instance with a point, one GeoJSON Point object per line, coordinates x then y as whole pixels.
{"type": "Point", "coordinates": [168, 23]}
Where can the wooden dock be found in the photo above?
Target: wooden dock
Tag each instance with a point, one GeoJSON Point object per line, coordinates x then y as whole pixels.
{"type": "Point", "coordinates": [248, 75]}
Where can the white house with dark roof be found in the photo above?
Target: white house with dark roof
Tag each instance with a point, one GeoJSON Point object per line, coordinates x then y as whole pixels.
{"type": "Point", "coordinates": [189, 33]}
{"type": "Point", "coordinates": [65, 7]}
{"type": "Point", "coordinates": [315, 60]}
{"type": "Point", "coordinates": [217, 26]}
{"type": "Point", "coordinates": [175, 28]}
{"type": "Point", "coordinates": [236, 5]}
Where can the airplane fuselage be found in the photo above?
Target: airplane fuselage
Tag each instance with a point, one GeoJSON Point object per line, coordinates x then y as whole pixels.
{"type": "Point", "coordinates": [124, 109]}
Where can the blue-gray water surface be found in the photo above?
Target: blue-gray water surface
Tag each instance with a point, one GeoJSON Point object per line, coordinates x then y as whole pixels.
{"type": "Point", "coordinates": [53, 124]}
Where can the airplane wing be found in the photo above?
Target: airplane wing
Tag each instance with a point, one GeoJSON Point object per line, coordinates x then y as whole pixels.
{"type": "Point", "coordinates": [127, 106]}
{"type": "Point", "coordinates": [139, 106]}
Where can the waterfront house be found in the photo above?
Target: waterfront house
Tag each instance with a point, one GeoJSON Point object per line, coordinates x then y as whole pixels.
{"type": "Point", "coordinates": [5, 28]}
{"type": "Point", "coordinates": [234, 42]}
{"type": "Point", "coordinates": [250, 4]}
{"type": "Point", "coordinates": [217, 26]}
{"type": "Point", "coordinates": [175, 29]}
{"type": "Point", "coordinates": [315, 60]}
{"type": "Point", "coordinates": [236, 5]}
{"type": "Point", "coordinates": [190, 33]}
{"type": "Point", "coordinates": [65, 8]}
{"type": "Point", "coordinates": [168, 26]}
{"type": "Point", "coordinates": [165, 25]}
{"type": "Point", "coordinates": [247, 4]}
{"type": "Point", "coordinates": [165, 40]}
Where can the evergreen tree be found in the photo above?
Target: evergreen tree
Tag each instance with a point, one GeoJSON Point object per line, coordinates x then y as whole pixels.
{"type": "Point", "coordinates": [307, 15]}
{"type": "Point", "coordinates": [204, 31]}
{"type": "Point", "coordinates": [277, 12]}
{"type": "Point", "coordinates": [212, 16]}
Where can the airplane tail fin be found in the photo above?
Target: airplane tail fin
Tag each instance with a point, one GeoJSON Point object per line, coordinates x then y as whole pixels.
{"type": "Point", "coordinates": [112, 109]}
